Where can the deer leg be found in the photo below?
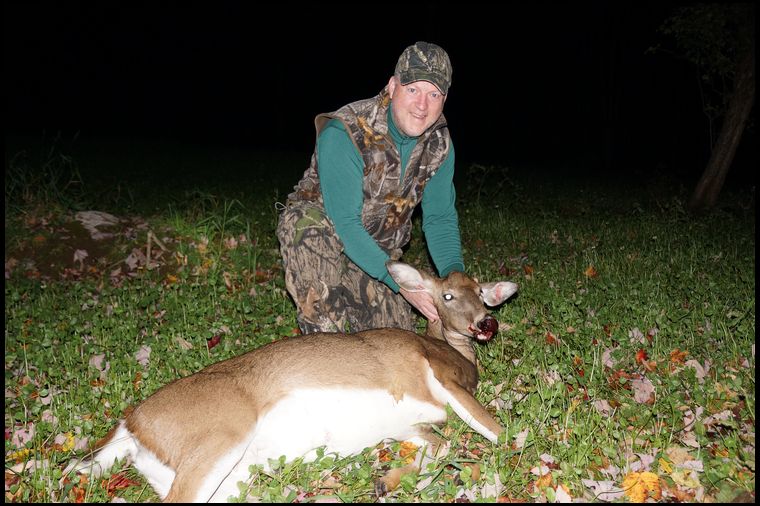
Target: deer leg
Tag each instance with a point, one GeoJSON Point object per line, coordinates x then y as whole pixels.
{"type": "Point", "coordinates": [468, 408]}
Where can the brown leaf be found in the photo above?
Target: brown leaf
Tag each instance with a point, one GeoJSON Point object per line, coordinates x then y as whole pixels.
{"type": "Point", "coordinates": [137, 382]}
{"type": "Point", "coordinates": [678, 357]}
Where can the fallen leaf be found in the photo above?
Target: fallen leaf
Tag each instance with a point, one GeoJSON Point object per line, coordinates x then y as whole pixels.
{"type": "Point", "coordinates": [544, 481]}
{"type": "Point", "coordinates": [636, 337]}
{"type": "Point", "coordinates": [213, 341]}
{"type": "Point", "coordinates": [603, 407]}
{"type": "Point", "coordinates": [562, 494]}
{"type": "Point", "coordinates": [408, 451]}
{"type": "Point", "coordinates": [22, 435]}
{"type": "Point", "coordinates": [143, 355]}
{"type": "Point", "coordinates": [686, 478]}
{"type": "Point", "coordinates": [96, 361]}
{"type": "Point", "coordinates": [643, 390]}
{"type": "Point", "coordinates": [79, 256]}
{"type": "Point", "coordinates": [183, 343]}
{"type": "Point", "coordinates": [700, 371]}
{"type": "Point", "coordinates": [520, 439]}
{"type": "Point", "coordinates": [64, 442]}
{"type": "Point", "coordinates": [677, 356]}
{"type": "Point", "coordinates": [607, 359]}
{"type": "Point", "coordinates": [604, 490]}
{"type": "Point", "coordinates": [30, 466]}
{"type": "Point", "coordinates": [118, 481]}
{"type": "Point", "coordinates": [641, 486]}
{"type": "Point", "coordinates": [678, 455]}
{"type": "Point", "coordinates": [137, 382]}
{"type": "Point", "coordinates": [590, 272]}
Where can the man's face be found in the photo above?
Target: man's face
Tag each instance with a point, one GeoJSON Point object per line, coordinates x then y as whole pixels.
{"type": "Point", "coordinates": [415, 106]}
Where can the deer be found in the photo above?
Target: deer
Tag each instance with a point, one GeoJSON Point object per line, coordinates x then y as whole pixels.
{"type": "Point", "coordinates": [195, 438]}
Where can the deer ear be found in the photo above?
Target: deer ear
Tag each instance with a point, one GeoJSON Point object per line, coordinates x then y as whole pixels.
{"type": "Point", "coordinates": [408, 277]}
{"type": "Point", "coordinates": [497, 292]}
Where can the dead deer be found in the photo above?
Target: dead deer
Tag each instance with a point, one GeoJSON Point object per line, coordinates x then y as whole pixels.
{"type": "Point", "coordinates": [195, 438]}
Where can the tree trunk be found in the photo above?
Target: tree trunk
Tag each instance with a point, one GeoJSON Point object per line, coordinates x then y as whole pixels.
{"type": "Point", "coordinates": [740, 105]}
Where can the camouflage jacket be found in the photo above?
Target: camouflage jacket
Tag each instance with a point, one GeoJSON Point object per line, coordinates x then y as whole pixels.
{"type": "Point", "coordinates": [388, 202]}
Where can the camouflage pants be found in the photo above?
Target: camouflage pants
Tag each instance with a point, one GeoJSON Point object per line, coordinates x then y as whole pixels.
{"type": "Point", "coordinates": [331, 292]}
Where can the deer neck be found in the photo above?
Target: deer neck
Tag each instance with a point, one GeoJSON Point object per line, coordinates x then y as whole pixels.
{"type": "Point", "coordinates": [461, 343]}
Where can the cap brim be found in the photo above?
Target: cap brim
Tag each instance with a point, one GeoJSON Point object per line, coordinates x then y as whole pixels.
{"type": "Point", "coordinates": [410, 77]}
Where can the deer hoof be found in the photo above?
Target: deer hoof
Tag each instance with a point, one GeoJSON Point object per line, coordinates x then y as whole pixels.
{"type": "Point", "coordinates": [380, 488]}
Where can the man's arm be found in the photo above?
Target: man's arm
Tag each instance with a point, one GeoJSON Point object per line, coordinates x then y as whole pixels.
{"type": "Point", "coordinates": [440, 221]}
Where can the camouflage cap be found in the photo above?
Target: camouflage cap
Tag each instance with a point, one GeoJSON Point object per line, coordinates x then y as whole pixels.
{"type": "Point", "coordinates": [425, 62]}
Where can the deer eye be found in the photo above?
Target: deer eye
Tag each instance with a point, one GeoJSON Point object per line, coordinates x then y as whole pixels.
{"type": "Point", "coordinates": [447, 297]}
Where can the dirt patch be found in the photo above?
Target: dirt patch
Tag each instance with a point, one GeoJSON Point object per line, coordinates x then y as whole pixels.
{"type": "Point", "coordinates": [89, 243]}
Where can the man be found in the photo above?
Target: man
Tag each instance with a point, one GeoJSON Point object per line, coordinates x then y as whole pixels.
{"type": "Point", "coordinates": [375, 160]}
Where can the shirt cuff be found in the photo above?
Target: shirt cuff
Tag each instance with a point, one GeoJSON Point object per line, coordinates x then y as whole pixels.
{"type": "Point", "coordinates": [456, 266]}
{"type": "Point", "coordinates": [389, 282]}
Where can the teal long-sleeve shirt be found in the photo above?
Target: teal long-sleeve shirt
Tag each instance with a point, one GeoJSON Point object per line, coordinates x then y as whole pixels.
{"type": "Point", "coordinates": [341, 172]}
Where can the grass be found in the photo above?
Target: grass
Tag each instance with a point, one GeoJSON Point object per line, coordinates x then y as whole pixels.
{"type": "Point", "coordinates": [621, 292]}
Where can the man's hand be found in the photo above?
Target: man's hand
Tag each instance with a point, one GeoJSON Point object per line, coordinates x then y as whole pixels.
{"type": "Point", "coordinates": [423, 302]}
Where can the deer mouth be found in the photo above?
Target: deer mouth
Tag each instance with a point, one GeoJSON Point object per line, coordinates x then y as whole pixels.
{"type": "Point", "coordinates": [481, 336]}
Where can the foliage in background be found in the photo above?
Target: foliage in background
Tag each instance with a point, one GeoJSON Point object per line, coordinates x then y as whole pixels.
{"type": "Point", "coordinates": [719, 39]}
{"type": "Point", "coordinates": [709, 37]}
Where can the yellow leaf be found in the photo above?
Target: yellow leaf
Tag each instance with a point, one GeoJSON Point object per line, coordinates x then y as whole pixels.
{"type": "Point", "coordinates": [68, 445]}
{"type": "Point", "coordinates": [19, 455]}
{"type": "Point", "coordinates": [665, 466]}
{"type": "Point", "coordinates": [641, 486]}
{"type": "Point", "coordinates": [407, 451]}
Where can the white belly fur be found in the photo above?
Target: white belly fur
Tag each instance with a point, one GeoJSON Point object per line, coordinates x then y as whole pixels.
{"type": "Point", "coordinates": [345, 421]}
{"type": "Point", "coordinates": [125, 444]}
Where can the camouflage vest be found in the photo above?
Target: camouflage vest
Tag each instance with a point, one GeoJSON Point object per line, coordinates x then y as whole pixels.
{"type": "Point", "coordinates": [388, 202]}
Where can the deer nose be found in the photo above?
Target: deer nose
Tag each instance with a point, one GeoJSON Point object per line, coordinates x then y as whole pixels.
{"type": "Point", "coordinates": [488, 326]}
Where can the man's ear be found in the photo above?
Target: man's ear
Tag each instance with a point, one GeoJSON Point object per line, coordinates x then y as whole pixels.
{"type": "Point", "coordinates": [392, 83]}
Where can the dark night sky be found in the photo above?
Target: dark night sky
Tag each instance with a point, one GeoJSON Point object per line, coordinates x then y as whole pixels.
{"type": "Point", "coordinates": [538, 85]}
